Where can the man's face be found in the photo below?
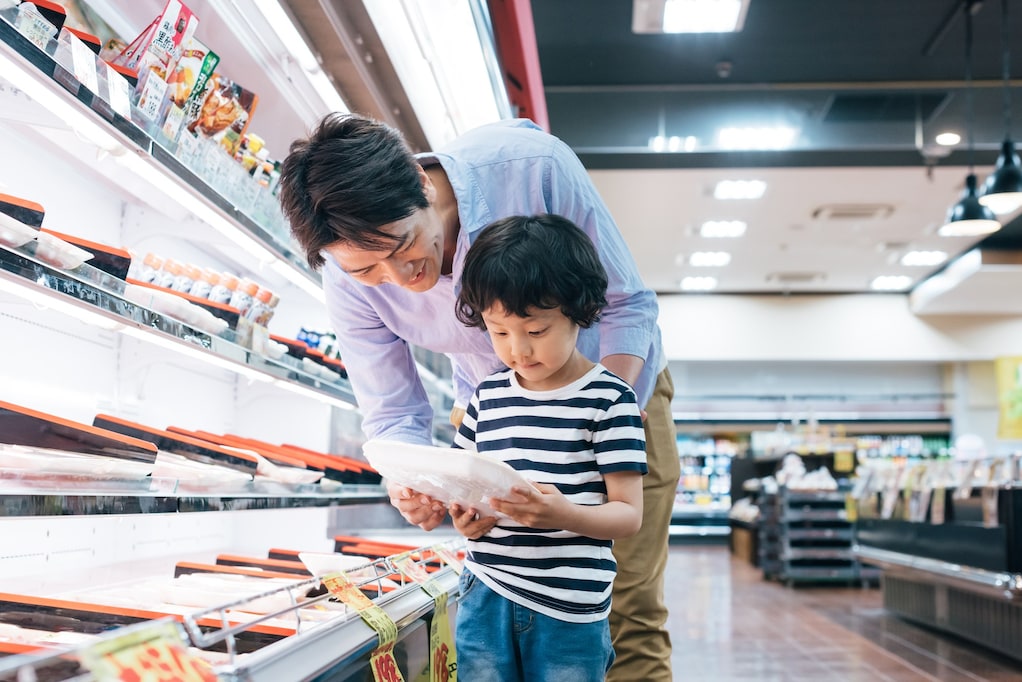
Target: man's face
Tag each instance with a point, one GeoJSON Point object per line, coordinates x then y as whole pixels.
{"type": "Point", "coordinates": [414, 261]}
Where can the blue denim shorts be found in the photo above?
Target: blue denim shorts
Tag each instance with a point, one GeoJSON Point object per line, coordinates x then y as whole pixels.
{"type": "Point", "coordinates": [500, 641]}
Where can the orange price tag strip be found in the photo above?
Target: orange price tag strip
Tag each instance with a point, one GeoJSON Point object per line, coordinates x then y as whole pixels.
{"type": "Point", "coordinates": [152, 654]}
{"type": "Point", "coordinates": [382, 659]}
{"type": "Point", "coordinates": [442, 654]}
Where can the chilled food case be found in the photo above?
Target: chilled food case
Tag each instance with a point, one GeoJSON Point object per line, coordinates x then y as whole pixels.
{"type": "Point", "coordinates": [948, 538]}
{"type": "Point", "coordinates": [262, 625]}
{"type": "Point", "coordinates": [249, 560]}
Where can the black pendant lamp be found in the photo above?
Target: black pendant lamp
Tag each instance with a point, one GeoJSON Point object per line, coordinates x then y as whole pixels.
{"type": "Point", "coordinates": [1002, 192]}
{"type": "Point", "coordinates": [969, 218]}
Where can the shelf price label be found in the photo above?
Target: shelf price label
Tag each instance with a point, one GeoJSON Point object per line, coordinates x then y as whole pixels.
{"type": "Point", "coordinates": [449, 557]}
{"type": "Point", "coordinates": [152, 654]}
{"type": "Point", "coordinates": [381, 660]}
{"type": "Point", "coordinates": [443, 659]}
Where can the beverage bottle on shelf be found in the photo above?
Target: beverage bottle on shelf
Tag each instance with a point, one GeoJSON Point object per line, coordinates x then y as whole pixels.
{"type": "Point", "coordinates": [168, 274]}
{"type": "Point", "coordinates": [244, 295]}
{"type": "Point", "coordinates": [204, 283]}
{"type": "Point", "coordinates": [222, 291]}
{"type": "Point", "coordinates": [184, 281]}
{"type": "Point", "coordinates": [150, 269]}
{"type": "Point", "coordinates": [259, 311]}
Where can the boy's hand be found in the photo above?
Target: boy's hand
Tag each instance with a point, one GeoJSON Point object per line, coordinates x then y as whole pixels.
{"type": "Point", "coordinates": [540, 507]}
{"type": "Point", "coordinates": [417, 508]}
{"type": "Point", "coordinates": [468, 522]}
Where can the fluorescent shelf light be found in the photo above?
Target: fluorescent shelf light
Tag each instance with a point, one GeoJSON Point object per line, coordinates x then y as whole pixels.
{"type": "Point", "coordinates": [891, 283]}
{"type": "Point", "coordinates": [299, 280]}
{"type": "Point", "coordinates": [709, 259]}
{"type": "Point", "coordinates": [923, 258]}
{"type": "Point", "coordinates": [739, 189]}
{"type": "Point", "coordinates": [722, 229]}
{"type": "Point", "coordinates": [698, 283]}
{"type": "Point", "coordinates": [436, 50]}
{"type": "Point", "coordinates": [39, 298]}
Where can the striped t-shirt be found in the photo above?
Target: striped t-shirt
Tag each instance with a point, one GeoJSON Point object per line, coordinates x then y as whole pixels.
{"type": "Point", "coordinates": [568, 437]}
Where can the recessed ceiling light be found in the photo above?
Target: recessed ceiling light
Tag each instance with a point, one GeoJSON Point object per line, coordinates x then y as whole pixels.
{"type": "Point", "coordinates": [739, 189]}
{"type": "Point", "coordinates": [709, 259]}
{"type": "Point", "coordinates": [913, 258]}
{"type": "Point", "coordinates": [948, 139]}
{"type": "Point", "coordinates": [698, 283]}
{"type": "Point", "coordinates": [891, 283]}
{"type": "Point", "coordinates": [673, 143]}
{"type": "Point", "coordinates": [704, 16]}
{"type": "Point", "coordinates": [727, 229]}
{"type": "Point", "coordinates": [757, 137]}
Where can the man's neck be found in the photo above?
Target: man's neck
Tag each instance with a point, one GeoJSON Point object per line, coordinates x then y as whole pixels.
{"type": "Point", "coordinates": [446, 207]}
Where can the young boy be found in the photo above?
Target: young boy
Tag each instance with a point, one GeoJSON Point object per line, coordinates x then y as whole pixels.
{"type": "Point", "coordinates": [536, 592]}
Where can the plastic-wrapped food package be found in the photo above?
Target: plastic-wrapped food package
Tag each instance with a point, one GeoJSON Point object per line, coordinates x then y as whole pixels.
{"type": "Point", "coordinates": [175, 306]}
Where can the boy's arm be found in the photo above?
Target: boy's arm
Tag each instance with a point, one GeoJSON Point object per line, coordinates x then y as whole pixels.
{"type": "Point", "coordinates": [545, 507]}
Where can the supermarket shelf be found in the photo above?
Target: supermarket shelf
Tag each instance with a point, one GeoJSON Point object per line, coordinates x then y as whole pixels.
{"type": "Point", "coordinates": [682, 530]}
{"type": "Point", "coordinates": [98, 296]}
{"type": "Point", "coordinates": [1006, 586]}
{"type": "Point", "coordinates": [54, 87]}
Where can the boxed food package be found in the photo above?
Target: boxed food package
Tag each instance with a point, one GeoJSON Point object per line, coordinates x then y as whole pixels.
{"type": "Point", "coordinates": [224, 113]}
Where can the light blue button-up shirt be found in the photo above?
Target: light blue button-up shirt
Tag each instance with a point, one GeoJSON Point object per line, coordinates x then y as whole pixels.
{"type": "Point", "coordinates": [498, 170]}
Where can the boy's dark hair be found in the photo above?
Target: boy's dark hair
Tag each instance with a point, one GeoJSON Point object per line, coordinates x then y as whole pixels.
{"type": "Point", "coordinates": [351, 176]}
{"type": "Point", "coordinates": [523, 262]}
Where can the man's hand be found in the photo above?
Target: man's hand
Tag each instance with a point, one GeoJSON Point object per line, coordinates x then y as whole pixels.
{"type": "Point", "coordinates": [417, 508]}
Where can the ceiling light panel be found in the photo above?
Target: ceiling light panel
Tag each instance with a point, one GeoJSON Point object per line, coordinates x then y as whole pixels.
{"type": "Point", "coordinates": [891, 283]}
{"type": "Point", "coordinates": [722, 229]}
{"type": "Point", "coordinates": [688, 16]}
{"type": "Point", "coordinates": [709, 259]}
{"type": "Point", "coordinates": [739, 189]}
{"type": "Point", "coordinates": [698, 283]}
{"type": "Point", "coordinates": [923, 258]}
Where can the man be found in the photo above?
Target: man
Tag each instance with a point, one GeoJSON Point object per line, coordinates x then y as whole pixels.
{"type": "Point", "coordinates": [391, 230]}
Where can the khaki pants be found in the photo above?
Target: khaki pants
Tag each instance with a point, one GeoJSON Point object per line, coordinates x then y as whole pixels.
{"type": "Point", "coordinates": [638, 616]}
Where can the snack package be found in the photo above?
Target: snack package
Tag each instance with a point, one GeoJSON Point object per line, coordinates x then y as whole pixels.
{"type": "Point", "coordinates": [160, 45]}
{"type": "Point", "coordinates": [225, 112]}
{"type": "Point", "coordinates": [192, 72]}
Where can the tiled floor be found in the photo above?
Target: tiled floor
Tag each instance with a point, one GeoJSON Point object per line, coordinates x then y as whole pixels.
{"type": "Point", "coordinates": [730, 625]}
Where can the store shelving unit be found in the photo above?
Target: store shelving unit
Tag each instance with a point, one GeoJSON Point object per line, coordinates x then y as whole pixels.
{"type": "Point", "coordinates": [703, 495]}
{"type": "Point", "coordinates": [805, 536]}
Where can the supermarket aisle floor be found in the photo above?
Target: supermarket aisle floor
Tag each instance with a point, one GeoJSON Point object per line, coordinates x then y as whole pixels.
{"type": "Point", "coordinates": [730, 625]}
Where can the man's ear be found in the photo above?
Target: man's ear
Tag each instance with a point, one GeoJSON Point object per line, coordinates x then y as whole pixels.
{"type": "Point", "coordinates": [428, 188]}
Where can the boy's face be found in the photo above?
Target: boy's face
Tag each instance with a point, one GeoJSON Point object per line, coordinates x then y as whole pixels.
{"type": "Point", "coordinates": [415, 260]}
{"type": "Point", "coordinates": [540, 348]}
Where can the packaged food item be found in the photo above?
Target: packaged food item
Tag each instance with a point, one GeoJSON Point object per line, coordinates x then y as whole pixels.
{"type": "Point", "coordinates": [203, 284]}
{"type": "Point", "coordinates": [150, 269]}
{"type": "Point", "coordinates": [222, 291]}
{"type": "Point", "coordinates": [260, 306]}
{"type": "Point", "coordinates": [167, 274]}
{"type": "Point", "coordinates": [225, 112]}
{"type": "Point", "coordinates": [184, 281]}
{"type": "Point", "coordinates": [33, 25]}
{"type": "Point", "coordinates": [112, 260]}
{"type": "Point", "coordinates": [22, 210]}
{"type": "Point", "coordinates": [244, 295]}
{"type": "Point", "coordinates": [90, 40]}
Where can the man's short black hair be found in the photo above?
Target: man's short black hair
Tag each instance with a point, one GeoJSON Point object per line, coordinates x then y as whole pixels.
{"type": "Point", "coordinates": [350, 177]}
{"type": "Point", "coordinates": [522, 262]}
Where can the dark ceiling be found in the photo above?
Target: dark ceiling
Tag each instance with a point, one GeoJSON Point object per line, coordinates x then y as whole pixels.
{"type": "Point", "coordinates": [866, 82]}
{"type": "Point", "coordinates": [854, 75]}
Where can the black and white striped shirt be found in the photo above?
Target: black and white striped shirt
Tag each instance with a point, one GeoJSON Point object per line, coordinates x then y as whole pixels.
{"type": "Point", "coordinates": [568, 437]}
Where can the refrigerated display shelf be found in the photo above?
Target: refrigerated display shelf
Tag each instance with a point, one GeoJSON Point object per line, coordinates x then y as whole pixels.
{"type": "Point", "coordinates": [46, 71]}
{"type": "Point", "coordinates": [101, 294]}
{"type": "Point", "coordinates": [338, 648]}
